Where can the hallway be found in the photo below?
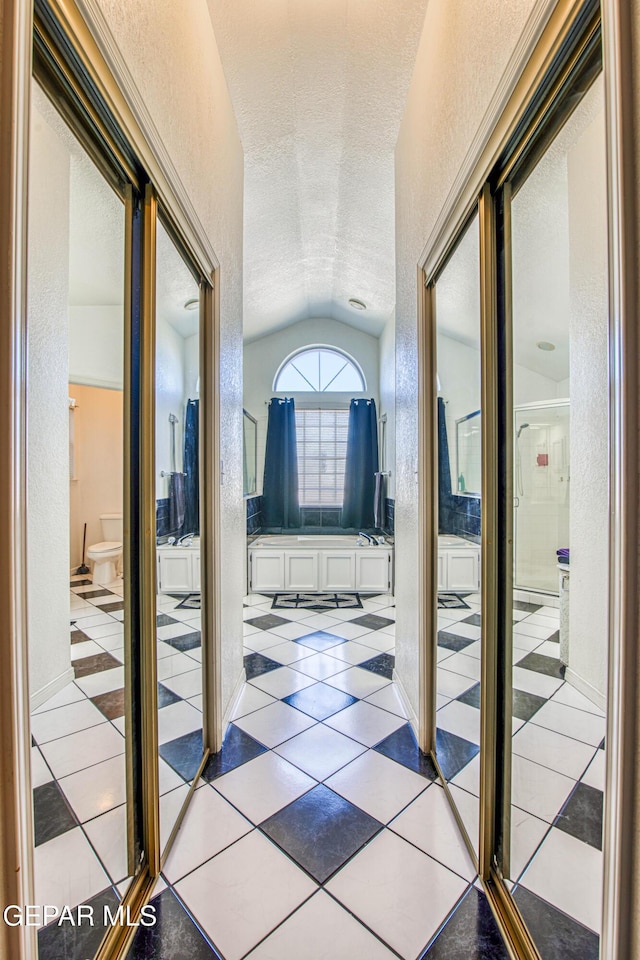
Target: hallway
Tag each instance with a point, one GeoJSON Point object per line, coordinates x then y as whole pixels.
{"type": "Point", "coordinates": [319, 814]}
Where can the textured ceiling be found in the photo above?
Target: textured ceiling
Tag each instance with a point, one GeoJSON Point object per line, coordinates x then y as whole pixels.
{"type": "Point", "coordinates": [318, 87]}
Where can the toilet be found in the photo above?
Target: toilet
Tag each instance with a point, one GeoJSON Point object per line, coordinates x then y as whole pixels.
{"type": "Point", "coordinates": [106, 555]}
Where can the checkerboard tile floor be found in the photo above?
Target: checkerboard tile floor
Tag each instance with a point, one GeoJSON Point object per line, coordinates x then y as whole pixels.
{"type": "Point", "coordinates": [557, 772]}
{"type": "Point", "coordinates": [320, 830]}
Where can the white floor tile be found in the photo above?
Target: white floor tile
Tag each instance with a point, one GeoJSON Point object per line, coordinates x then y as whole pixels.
{"type": "Point", "coordinates": [79, 750]}
{"type": "Point", "coordinates": [468, 807]}
{"type": "Point", "coordinates": [358, 682]}
{"type": "Point", "coordinates": [289, 652]}
{"type": "Point", "coordinates": [464, 666]}
{"type": "Point", "coordinates": [595, 775]}
{"type": "Point", "coordinates": [263, 786]}
{"type": "Point", "coordinates": [243, 893]}
{"type": "Point", "coordinates": [67, 871]}
{"type": "Point", "coordinates": [197, 701]}
{"type": "Point", "coordinates": [461, 719]}
{"type": "Point", "coordinates": [378, 641]}
{"type": "Point", "coordinates": [527, 833]}
{"type": "Point", "coordinates": [87, 649]}
{"type": "Point", "coordinates": [469, 777]}
{"type": "Point", "coordinates": [320, 751]}
{"type": "Point", "coordinates": [453, 684]}
{"type": "Point", "coordinates": [112, 643]}
{"type": "Point", "coordinates": [524, 644]}
{"type": "Point", "coordinates": [85, 623]}
{"type": "Point", "coordinates": [379, 786]}
{"type": "Point", "coordinates": [176, 720]}
{"type": "Point", "coordinates": [69, 694]}
{"type": "Point", "coordinates": [173, 665]}
{"type": "Point", "coordinates": [171, 804]}
{"type": "Point", "coordinates": [552, 749]}
{"type": "Point", "coordinates": [102, 682]}
{"type": "Point", "coordinates": [568, 874]}
{"type": "Point", "coordinates": [319, 621]}
{"type": "Point", "coordinates": [365, 723]}
{"type": "Point", "coordinates": [294, 939]}
{"type": "Point", "coordinates": [349, 631]}
{"type": "Point", "coordinates": [573, 723]}
{"type": "Point", "coordinates": [261, 640]}
{"type": "Point", "coordinates": [548, 648]}
{"type": "Point", "coordinates": [389, 699]}
{"type": "Point", "coordinates": [281, 683]}
{"type": "Point", "coordinates": [40, 773]}
{"type": "Point", "coordinates": [273, 724]}
{"type": "Point", "coordinates": [209, 825]}
{"type": "Point", "coordinates": [96, 789]}
{"type": "Point", "coordinates": [528, 629]}
{"type": "Point", "coordinates": [386, 885]}
{"type": "Point", "coordinates": [320, 666]}
{"type": "Point", "coordinates": [172, 630]}
{"type": "Point", "coordinates": [186, 684]}
{"type": "Point", "coordinates": [111, 629]}
{"type": "Point", "coordinates": [168, 778]}
{"type": "Point", "coordinates": [249, 700]}
{"type": "Point", "coordinates": [573, 698]}
{"type": "Point", "coordinates": [429, 823]}
{"type": "Point", "coordinates": [108, 834]}
{"type": "Point", "coordinates": [537, 789]}
{"type": "Point", "coordinates": [290, 631]}
{"type": "Point", "coordinates": [353, 652]}
{"type": "Point", "coordinates": [65, 720]}
{"type": "Point", "coordinates": [537, 683]}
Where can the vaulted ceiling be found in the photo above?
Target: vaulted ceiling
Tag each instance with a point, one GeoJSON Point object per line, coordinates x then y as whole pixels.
{"type": "Point", "coordinates": [318, 87]}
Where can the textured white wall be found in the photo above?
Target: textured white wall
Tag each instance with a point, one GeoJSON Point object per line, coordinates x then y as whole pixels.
{"type": "Point", "coordinates": [173, 57]}
{"type": "Point", "coordinates": [48, 415]}
{"type": "Point", "coordinates": [589, 438]}
{"type": "Point", "coordinates": [388, 397]}
{"type": "Point", "coordinates": [262, 358]}
{"type": "Point", "coordinates": [463, 51]}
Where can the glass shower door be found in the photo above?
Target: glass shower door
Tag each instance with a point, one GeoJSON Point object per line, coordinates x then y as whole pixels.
{"type": "Point", "coordinates": [541, 493]}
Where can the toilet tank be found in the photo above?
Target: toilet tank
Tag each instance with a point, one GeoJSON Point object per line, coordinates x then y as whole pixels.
{"type": "Point", "coordinates": [112, 527]}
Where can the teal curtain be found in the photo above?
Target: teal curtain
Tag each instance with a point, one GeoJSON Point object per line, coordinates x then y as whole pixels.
{"type": "Point", "coordinates": [281, 507]}
{"type": "Point", "coordinates": [361, 466]}
{"type": "Point", "coordinates": [192, 468]}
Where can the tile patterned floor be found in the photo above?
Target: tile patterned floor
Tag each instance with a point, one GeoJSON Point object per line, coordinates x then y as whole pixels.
{"type": "Point", "coordinates": [78, 763]}
{"type": "Point", "coordinates": [558, 771]}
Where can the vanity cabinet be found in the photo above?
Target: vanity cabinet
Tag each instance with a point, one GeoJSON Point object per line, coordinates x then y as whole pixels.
{"type": "Point", "coordinates": [459, 569]}
{"type": "Point", "coordinates": [178, 570]}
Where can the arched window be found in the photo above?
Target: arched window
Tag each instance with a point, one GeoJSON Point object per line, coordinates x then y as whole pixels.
{"type": "Point", "coordinates": [319, 369]}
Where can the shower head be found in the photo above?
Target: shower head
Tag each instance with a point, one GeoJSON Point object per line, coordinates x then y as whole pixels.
{"type": "Point", "coordinates": [523, 426]}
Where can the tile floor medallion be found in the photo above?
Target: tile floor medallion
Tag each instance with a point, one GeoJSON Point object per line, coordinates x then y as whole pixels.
{"type": "Point", "coordinates": [319, 831]}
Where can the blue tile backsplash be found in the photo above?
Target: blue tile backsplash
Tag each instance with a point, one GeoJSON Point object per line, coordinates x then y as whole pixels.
{"type": "Point", "coordinates": [460, 516]}
{"type": "Point", "coordinates": [254, 515]}
{"type": "Point", "coordinates": [163, 528]}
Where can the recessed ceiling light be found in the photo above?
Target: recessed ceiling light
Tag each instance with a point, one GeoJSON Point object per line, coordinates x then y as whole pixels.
{"type": "Point", "coordinates": [357, 304]}
{"type": "Point", "coordinates": [192, 304]}
{"type": "Point", "coordinates": [545, 345]}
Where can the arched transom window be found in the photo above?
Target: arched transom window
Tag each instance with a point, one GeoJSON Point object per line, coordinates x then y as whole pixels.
{"type": "Point", "coordinates": [319, 370]}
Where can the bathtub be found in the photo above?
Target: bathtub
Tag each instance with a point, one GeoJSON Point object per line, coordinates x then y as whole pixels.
{"type": "Point", "coordinates": [448, 542]}
{"type": "Point", "coordinates": [317, 564]}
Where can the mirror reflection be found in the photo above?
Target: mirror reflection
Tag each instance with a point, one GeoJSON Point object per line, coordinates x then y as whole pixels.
{"type": "Point", "coordinates": [457, 297]}
{"type": "Point", "coordinates": [177, 529]}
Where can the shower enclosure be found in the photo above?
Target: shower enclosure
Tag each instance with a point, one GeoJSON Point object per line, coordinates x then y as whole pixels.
{"type": "Point", "coordinates": [541, 493]}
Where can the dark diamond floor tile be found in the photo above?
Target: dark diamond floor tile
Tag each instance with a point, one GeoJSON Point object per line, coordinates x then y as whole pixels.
{"type": "Point", "coordinates": [526, 705]}
{"type": "Point", "coordinates": [188, 641]}
{"type": "Point", "coordinates": [52, 815]}
{"type": "Point", "coordinates": [402, 747]}
{"type": "Point", "coordinates": [77, 941]}
{"type": "Point", "coordinates": [79, 583]}
{"type": "Point", "coordinates": [320, 640]}
{"type": "Point", "coordinates": [557, 936]}
{"type": "Point", "coordinates": [320, 831]}
{"type": "Point", "coordinates": [475, 620]}
{"type": "Point", "coordinates": [255, 665]}
{"type": "Point", "coordinates": [320, 701]}
{"type": "Point", "coordinates": [372, 621]}
{"type": "Point", "coordinates": [601, 747]}
{"type": "Point", "coordinates": [267, 621]}
{"type": "Point", "coordinates": [541, 664]}
{"type": "Point", "coordinates": [581, 815]}
{"type": "Point", "coordinates": [471, 933]}
{"type": "Point", "coordinates": [112, 607]}
{"type": "Point", "coordinates": [111, 704]}
{"type": "Point", "coordinates": [453, 753]}
{"type": "Point", "coordinates": [238, 748]}
{"type": "Point", "coordinates": [452, 641]}
{"type": "Point", "coordinates": [77, 636]}
{"type": "Point", "coordinates": [96, 664]}
{"type": "Point", "coordinates": [555, 637]}
{"type": "Point", "coordinates": [525, 607]}
{"type": "Point", "coordinates": [164, 620]}
{"type": "Point", "coordinates": [166, 697]}
{"type": "Point", "coordinates": [98, 592]}
{"type": "Point", "coordinates": [383, 665]}
{"type": "Point", "coordinates": [174, 934]}
{"type": "Point", "coordinates": [471, 696]}
{"type": "Point", "coordinates": [184, 754]}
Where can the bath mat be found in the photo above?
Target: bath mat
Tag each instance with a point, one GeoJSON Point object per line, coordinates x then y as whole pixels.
{"type": "Point", "coordinates": [316, 601]}
{"type": "Point", "coordinates": [192, 602]}
{"type": "Point", "coordinates": [452, 601]}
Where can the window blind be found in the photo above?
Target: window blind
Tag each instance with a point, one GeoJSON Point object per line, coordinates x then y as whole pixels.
{"type": "Point", "coordinates": [322, 450]}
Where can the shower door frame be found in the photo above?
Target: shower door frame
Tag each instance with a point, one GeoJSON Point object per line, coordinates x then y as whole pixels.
{"type": "Point", "coordinates": [535, 405]}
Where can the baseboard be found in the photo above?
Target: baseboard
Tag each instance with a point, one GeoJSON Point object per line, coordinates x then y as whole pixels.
{"type": "Point", "coordinates": [406, 703]}
{"type": "Point", "coordinates": [50, 689]}
{"type": "Point", "coordinates": [583, 686]}
{"type": "Point", "coordinates": [233, 702]}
